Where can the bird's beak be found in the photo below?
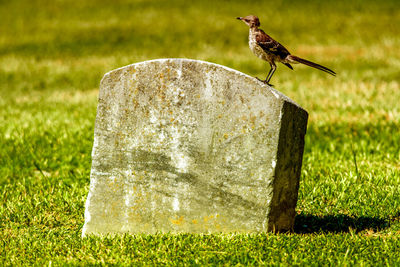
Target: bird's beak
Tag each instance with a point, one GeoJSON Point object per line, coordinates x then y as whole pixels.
{"type": "Point", "coordinates": [240, 18]}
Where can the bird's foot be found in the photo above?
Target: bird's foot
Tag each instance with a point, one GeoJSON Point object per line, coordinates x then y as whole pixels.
{"type": "Point", "coordinates": [264, 81]}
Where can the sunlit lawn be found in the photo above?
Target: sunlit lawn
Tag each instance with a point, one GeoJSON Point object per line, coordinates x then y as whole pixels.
{"type": "Point", "coordinates": [54, 53]}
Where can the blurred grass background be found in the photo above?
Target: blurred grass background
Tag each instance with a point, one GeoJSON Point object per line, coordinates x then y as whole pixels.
{"type": "Point", "coordinates": [54, 53]}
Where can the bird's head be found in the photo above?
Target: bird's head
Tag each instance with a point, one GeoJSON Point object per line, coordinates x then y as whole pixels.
{"type": "Point", "coordinates": [250, 20]}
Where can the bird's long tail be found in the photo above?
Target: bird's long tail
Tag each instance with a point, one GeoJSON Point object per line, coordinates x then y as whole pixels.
{"type": "Point", "coordinates": [295, 59]}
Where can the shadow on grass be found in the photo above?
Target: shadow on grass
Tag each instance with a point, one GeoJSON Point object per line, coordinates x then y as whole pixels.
{"type": "Point", "coordinates": [305, 224]}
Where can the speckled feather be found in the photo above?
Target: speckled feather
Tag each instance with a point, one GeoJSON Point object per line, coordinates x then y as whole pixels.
{"type": "Point", "coordinates": [266, 48]}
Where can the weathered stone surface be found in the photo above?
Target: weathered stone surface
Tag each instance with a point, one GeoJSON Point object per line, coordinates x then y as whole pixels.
{"type": "Point", "coordinates": [189, 146]}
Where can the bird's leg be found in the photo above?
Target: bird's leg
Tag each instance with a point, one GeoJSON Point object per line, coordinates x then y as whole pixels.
{"type": "Point", "coordinates": [260, 80]}
{"type": "Point", "coordinates": [270, 73]}
{"type": "Point", "coordinates": [264, 81]}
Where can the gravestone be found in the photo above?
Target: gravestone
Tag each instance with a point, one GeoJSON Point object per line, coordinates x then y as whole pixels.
{"type": "Point", "coordinates": [190, 146]}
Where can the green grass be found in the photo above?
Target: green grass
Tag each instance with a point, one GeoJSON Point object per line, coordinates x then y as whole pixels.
{"type": "Point", "coordinates": [54, 53]}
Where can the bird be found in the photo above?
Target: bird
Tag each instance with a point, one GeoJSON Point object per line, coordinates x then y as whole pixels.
{"type": "Point", "coordinates": [266, 48]}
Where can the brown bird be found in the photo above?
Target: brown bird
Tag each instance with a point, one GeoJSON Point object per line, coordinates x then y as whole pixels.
{"type": "Point", "coordinates": [266, 48]}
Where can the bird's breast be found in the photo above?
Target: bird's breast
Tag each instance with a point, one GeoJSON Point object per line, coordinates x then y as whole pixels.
{"type": "Point", "coordinates": [257, 50]}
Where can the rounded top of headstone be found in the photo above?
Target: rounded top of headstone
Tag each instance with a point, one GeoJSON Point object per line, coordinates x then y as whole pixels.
{"type": "Point", "coordinates": [190, 68]}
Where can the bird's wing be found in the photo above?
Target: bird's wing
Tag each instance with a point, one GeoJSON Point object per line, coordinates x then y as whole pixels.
{"type": "Point", "coordinates": [271, 46]}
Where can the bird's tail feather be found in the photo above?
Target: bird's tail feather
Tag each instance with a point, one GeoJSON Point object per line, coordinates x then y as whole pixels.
{"type": "Point", "coordinates": [311, 64]}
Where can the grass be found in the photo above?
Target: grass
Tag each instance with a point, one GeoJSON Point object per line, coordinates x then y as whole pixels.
{"type": "Point", "coordinates": [54, 53]}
